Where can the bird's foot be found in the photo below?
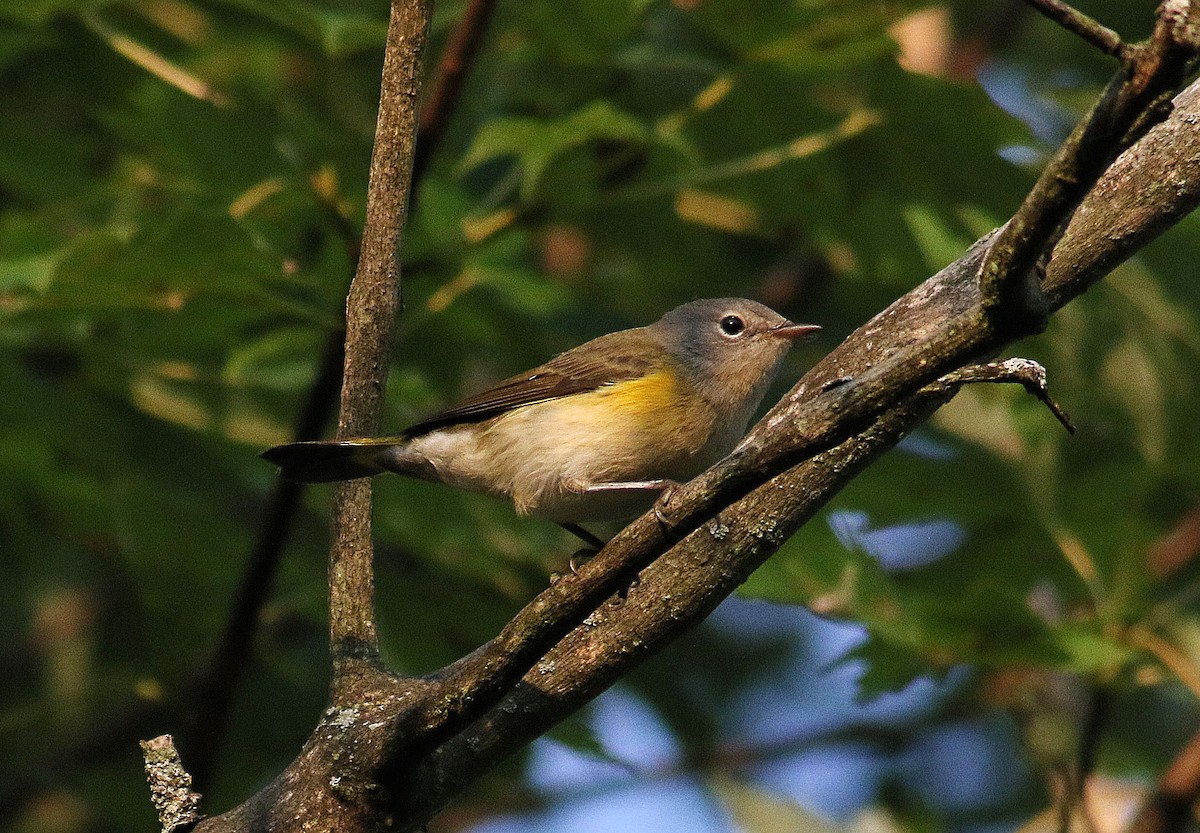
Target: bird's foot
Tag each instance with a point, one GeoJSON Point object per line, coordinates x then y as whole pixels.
{"type": "Point", "coordinates": [581, 557]}
{"type": "Point", "coordinates": [662, 505]}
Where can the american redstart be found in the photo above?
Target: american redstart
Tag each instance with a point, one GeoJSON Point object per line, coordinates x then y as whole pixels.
{"type": "Point", "coordinates": [597, 432]}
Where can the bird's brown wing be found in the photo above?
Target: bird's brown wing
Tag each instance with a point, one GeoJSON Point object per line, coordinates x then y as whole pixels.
{"type": "Point", "coordinates": [616, 357]}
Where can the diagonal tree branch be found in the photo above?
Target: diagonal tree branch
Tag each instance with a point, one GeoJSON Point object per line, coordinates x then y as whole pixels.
{"type": "Point", "coordinates": [1148, 189]}
{"type": "Point", "coordinates": [807, 422]}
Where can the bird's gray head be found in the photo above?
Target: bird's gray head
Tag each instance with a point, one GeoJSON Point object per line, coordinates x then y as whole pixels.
{"type": "Point", "coordinates": [730, 347]}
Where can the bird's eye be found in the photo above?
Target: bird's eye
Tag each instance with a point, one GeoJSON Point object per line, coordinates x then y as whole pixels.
{"type": "Point", "coordinates": [732, 325]}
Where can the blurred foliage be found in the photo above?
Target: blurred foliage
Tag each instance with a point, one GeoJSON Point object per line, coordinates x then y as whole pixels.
{"type": "Point", "coordinates": [177, 178]}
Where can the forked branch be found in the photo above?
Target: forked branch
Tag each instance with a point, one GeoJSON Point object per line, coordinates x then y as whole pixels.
{"type": "Point", "coordinates": [1136, 98]}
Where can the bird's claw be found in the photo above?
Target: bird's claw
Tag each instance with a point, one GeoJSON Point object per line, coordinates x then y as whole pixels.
{"type": "Point", "coordinates": [663, 503]}
{"type": "Point", "coordinates": [581, 557]}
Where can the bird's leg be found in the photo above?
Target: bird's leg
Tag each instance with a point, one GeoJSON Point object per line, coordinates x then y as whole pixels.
{"type": "Point", "coordinates": [662, 503]}
{"type": "Point", "coordinates": [579, 487]}
{"type": "Point", "coordinates": [582, 534]}
{"type": "Point", "coordinates": [594, 545]}
{"type": "Point", "coordinates": [662, 486]}
{"type": "Point", "coordinates": [622, 486]}
{"type": "Point", "coordinates": [623, 594]}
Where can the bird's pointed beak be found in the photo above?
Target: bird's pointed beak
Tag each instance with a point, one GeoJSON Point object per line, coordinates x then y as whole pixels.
{"type": "Point", "coordinates": [793, 332]}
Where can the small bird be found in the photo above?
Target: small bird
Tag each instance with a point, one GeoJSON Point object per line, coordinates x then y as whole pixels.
{"type": "Point", "coordinates": [598, 432]}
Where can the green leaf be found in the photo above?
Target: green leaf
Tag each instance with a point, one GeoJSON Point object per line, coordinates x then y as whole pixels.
{"type": "Point", "coordinates": [537, 143]}
{"type": "Point", "coordinates": [1089, 650]}
{"type": "Point", "coordinates": [577, 733]}
{"type": "Point", "coordinates": [170, 263]}
{"type": "Point", "coordinates": [887, 667]}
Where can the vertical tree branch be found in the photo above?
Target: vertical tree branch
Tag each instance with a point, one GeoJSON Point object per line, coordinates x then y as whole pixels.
{"type": "Point", "coordinates": [371, 307]}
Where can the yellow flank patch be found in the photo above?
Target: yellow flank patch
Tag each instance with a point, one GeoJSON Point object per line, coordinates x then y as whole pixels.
{"type": "Point", "coordinates": [652, 393]}
{"type": "Point", "coordinates": [653, 414]}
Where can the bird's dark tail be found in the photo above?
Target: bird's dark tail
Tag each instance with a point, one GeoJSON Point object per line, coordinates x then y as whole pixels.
{"type": "Point", "coordinates": [327, 461]}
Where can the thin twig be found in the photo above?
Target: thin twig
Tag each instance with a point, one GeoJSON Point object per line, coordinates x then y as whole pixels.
{"type": "Point", "coordinates": [1078, 23]}
{"type": "Point", "coordinates": [1025, 372]}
